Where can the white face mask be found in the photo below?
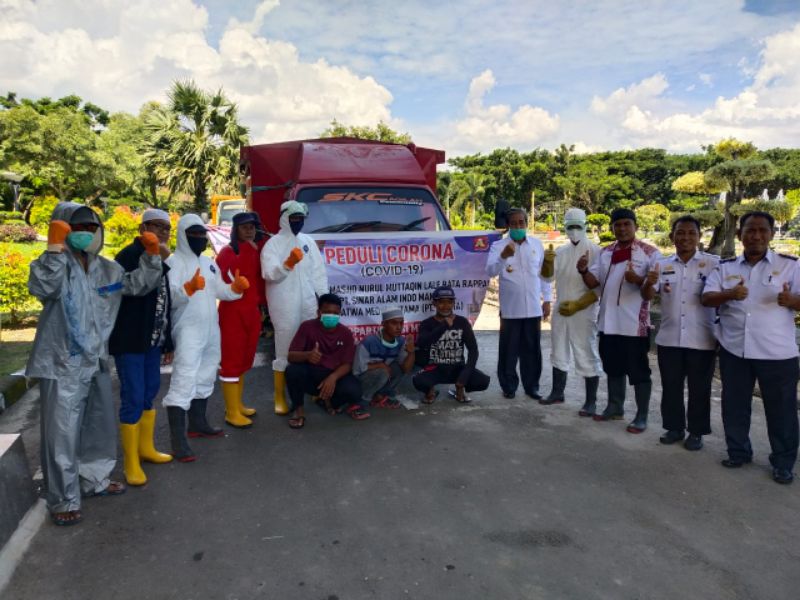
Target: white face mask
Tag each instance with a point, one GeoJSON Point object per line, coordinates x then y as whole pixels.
{"type": "Point", "coordinates": [576, 235]}
{"type": "Point", "coordinates": [97, 242]}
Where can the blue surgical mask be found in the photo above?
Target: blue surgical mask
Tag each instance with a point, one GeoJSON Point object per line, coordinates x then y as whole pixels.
{"type": "Point", "coordinates": [80, 240]}
{"type": "Point", "coordinates": [517, 234]}
{"type": "Point", "coordinates": [329, 321]}
{"type": "Point", "coordinates": [392, 344]}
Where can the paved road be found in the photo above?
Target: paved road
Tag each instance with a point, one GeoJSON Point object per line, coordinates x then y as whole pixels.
{"type": "Point", "coordinates": [501, 499]}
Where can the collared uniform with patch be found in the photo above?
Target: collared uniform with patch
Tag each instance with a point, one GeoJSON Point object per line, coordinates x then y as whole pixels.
{"type": "Point", "coordinates": [685, 322]}
{"type": "Point", "coordinates": [757, 327]}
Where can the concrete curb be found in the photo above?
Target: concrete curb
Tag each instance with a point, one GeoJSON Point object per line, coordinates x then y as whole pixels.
{"type": "Point", "coordinates": [19, 542]}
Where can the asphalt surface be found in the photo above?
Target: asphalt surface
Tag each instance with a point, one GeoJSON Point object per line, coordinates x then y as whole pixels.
{"type": "Point", "coordinates": [500, 499]}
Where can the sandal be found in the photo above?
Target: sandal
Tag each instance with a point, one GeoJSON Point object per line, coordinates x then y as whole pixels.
{"type": "Point", "coordinates": [115, 488]}
{"type": "Point", "coordinates": [379, 401]}
{"type": "Point", "coordinates": [325, 405]}
{"type": "Point", "coordinates": [454, 395]}
{"type": "Point", "coordinates": [357, 413]}
{"type": "Point", "coordinates": [67, 518]}
{"type": "Point", "coordinates": [393, 403]}
{"type": "Point", "coordinates": [430, 400]}
{"type": "Point", "coordinates": [297, 422]}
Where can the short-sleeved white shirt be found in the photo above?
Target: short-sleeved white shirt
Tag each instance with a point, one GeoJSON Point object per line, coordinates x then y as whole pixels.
{"type": "Point", "coordinates": [623, 311]}
{"type": "Point", "coordinates": [685, 322]}
{"type": "Point", "coordinates": [757, 327]}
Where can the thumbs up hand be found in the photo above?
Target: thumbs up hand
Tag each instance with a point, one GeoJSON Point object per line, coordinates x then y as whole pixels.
{"type": "Point", "coordinates": [548, 262]}
{"type": "Point", "coordinates": [631, 276]}
{"type": "Point", "coordinates": [739, 291]}
{"type": "Point", "coordinates": [652, 276]}
{"type": "Point", "coordinates": [240, 283]}
{"type": "Point", "coordinates": [583, 263]}
{"type": "Point", "coordinates": [314, 356]}
{"type": "Point", "coordinates": [786, 298]}
{"type": "Point", "coordinates": [197, 282]}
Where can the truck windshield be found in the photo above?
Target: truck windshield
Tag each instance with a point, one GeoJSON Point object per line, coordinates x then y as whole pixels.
{"type": "Point", "coordinates": [228, 211]}
{"type": "Point", "coordinates": [358, 209]}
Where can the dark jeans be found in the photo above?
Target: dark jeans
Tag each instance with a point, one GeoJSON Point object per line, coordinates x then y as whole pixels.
{"type": "Point", "coordinates": [625, 355]}
{"type": "Point", "coordinates": [433, 375]}
{"type": "Point", "coordinates": [304, 378]}
{"type": "Point", "coordinates": [777, 380]}
{"type": "Point", "coordinates": [520, 342]}
{"type": "Point", "coordinates": [696, 367]}
{"type": "Point", "coordinates": [139, 380]}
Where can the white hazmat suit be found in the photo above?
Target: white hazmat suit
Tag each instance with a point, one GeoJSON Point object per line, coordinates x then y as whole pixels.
{"type": "Point", "coordinates": [291, 292]}
{"type": "Point", "coordinates": [70, 358]}
{"type": "Point", "coordinates": [195, 325]}
{"type": "Point", "coordinates": [576, 334]}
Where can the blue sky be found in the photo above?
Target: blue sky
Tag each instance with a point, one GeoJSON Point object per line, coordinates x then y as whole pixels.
{"type": "Point", "coordinates": [466, 76]}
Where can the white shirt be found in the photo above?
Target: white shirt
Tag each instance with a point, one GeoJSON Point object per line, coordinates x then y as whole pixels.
{"type": "Point", "coordinates": [685, 323]}
{"type": "Point", "coordinates": [757, 327]}
{"type": "Point", "coordinates": [623, 311]}
{"type": "Point", "coordinates": [522, 289]}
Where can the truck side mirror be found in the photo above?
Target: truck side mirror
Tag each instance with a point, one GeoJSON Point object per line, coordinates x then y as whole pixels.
{"type": "Point", "coordinates": [500, 210]}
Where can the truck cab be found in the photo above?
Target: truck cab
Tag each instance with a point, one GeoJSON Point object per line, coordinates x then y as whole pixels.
{"type": "Point", "coordinates": [349, 185]}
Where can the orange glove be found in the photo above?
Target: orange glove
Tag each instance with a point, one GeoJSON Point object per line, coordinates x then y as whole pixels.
{"type": "Point", "coordinates": [57, 235]}
{"type": "Point", "coordinates": [150, 242]}
{"type": "Point", "coordinates": [197, 282]}
{"type": "Point", "coordinates": [295, 256]}
{"type": "Point", "coordinates": [240, 284]}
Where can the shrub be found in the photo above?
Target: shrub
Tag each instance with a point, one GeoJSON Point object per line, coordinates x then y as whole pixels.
{"type": "Point", "coordinates": [14, 296]}
{"type": "Point", "coordinates": [606, 237]}
{"type": "Point", "coordinates": [14, 232]}
{"type": "Point", "coordinates": [41, 211]}
{"type": "Point", "coordinates": [122, 227]}
{"type": "Point", "coordinates": [8, 215]}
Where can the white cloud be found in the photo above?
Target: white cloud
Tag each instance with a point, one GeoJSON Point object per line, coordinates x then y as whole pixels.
{"type": "Point", "coordinates": [766, 112]}
{"type": "Point", "coordinates": [52, 47]}
{"type": "Point", "coordinates": [706, 79]}
{"type": "Point", "coordinates": [498, 125]}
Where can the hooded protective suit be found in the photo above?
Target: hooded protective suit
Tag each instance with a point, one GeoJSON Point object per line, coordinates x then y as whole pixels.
{"type": "Point", "coordinates": [195, 326]}
{"type": "Point", "coordinates": [291, 293]}
{"type": "Point", "coordinates": [577, 332]}
{"type": "Point", "coordinates": [70, 358]}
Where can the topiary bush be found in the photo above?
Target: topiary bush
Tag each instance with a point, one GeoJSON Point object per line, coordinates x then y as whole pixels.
{"type": "Point", "coordinates": [607, 237]}
{"type": "Point", "coordinates": [16, 232]}
{"type": "Point", "coordinates": [122, 227]}
{"type": "Point", "coordinates": [10, 215]}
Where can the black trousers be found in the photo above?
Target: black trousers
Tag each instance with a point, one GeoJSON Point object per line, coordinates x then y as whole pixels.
{"type": "Point", "coordinates": [304, 378]}
{"type": "Point", "coordinates": [520, 343]}
{"type": "Point", "coordinates": [696, 368]}
{"type": "Point", "coordinates": [433, 375]}
{"type": "Point", "coordinates": [777, 380]}
{"type": "Point", "coordinates": [625, 355]}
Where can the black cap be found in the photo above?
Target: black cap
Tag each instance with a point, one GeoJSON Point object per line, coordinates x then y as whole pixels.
{"type": "Point", "coordinates": [623, 213]}
{"type": "Point", "coordinates": [244, 217]}
{"type": "Point", "coordinates": [443, 291]}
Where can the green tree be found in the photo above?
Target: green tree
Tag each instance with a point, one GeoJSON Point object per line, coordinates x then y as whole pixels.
{"type": "Point", "coordinates": [652, 217]}
{"type": "Point", "coordinates": [470, 192]}
{"type": "Point", "coordinates": [739, 169]}
{"type": "Point", "coordinates": [381, 132]}
{"type": "Point", "coordinates": [192, 144]}
{"type": "Point", "coordinates": [599, 221]}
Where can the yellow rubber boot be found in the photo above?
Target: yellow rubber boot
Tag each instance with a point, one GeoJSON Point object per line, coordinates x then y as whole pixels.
{"type": "Point", "coordinates": [279, 381]}
{"type": "Point", "coordinates": [129, 434]}
{"type": "Point", "coordinates": [231, 393]}
{"type": "Point", "coordinates": [147, 451]}
{"type": "Point", "coordinates": [245, 410]}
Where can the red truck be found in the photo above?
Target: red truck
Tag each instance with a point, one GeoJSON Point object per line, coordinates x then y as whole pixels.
{"type": "Point", "coordinates": [350, 185]}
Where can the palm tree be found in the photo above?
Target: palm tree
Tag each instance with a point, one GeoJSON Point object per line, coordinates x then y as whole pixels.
{"type": "Point", "coordinates": [193, 142]}
{"type": "Point", "coordinates": [475, 189]}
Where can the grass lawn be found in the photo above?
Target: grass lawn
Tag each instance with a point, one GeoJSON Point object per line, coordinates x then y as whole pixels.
{"type": "Point", "coordinates": [14, 349]}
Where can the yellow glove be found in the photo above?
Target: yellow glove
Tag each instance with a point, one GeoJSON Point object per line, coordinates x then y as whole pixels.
{"type": "Point", "coordinates": [570, 307]}
{"type": "Point", "coordinates": [547, 262]}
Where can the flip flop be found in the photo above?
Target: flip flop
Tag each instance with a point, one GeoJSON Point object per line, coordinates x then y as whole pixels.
{"type": "Point", "coordinates": [76, 517]}
{"type": "Point", "coordinates": [115, 488]}
{"type": "Point", "coordinates": [432, 400]}
{"type": "Point", "coordinates": [297, 422]}
{"type": "Point", "coordinates": [452, 394]}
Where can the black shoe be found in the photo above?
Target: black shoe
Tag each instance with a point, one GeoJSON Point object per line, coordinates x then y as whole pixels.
{"type": "Point", "coordinates": [509, 394]}
{"type": "Point", "coordinates": [735, 463]}
{"type": "Point", "coordinates": [548, 401]}
{"type": "Point", "coordinates": [693, 443]}
{"type": "Point", "coordinates": [672, 436]}
{"type": "Point", "coordinates": [535, 395]}
{"type": "Point", "coordinates": [782, 476]}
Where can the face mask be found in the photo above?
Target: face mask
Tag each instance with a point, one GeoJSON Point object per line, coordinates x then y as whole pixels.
{"type": "Point", "coordinates": [517, 234]}
{"type": "Point", "coordinates": [80, 240]}
{"type": "Point", "coordinates": [575, 235]}
{"type": "Point", "coordinates": [296, 226]}
{"type": "Point", "coordinates": [197, 244]}
{"type": "Point", "coordinates": [329, 321]}
{"type": "Point", "coordinates": [389, 344]}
